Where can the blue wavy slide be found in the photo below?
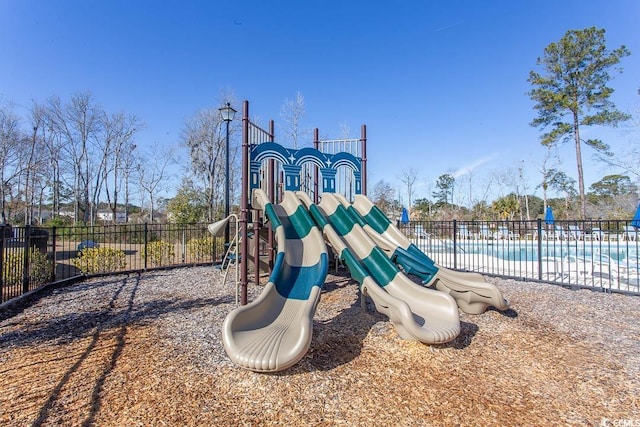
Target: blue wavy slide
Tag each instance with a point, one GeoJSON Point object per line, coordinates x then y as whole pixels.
{"type": "Point", "coordinates": [470, 290]}
{"type": "Point", "coordinates": [417, 313]}
{"type": "Point", "coordinates": [274, 332]}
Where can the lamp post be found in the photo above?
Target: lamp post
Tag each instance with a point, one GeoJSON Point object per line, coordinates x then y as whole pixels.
{"type": "Point", "coordinates": [226, 114]}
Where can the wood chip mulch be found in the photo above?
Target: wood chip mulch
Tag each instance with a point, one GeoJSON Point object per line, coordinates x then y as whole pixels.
{"type": "Point", "coordinates": [146, 351]}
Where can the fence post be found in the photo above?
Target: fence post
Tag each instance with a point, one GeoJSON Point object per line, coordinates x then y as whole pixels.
{"type": "Point", "coordinates": [146, 230]}
{"type": "Point", "coordinates": [539, 249]}
{"type": "Point", "coordinates": [53, 257]}
{"type": "Point", "coordinates": [2, 229]}
{"type": "Point", "coordinates": [455, 244]}
{"type": "Point", "coordinates": [25, 263]}
{"type": "Point", "coordinates": [184, 243]}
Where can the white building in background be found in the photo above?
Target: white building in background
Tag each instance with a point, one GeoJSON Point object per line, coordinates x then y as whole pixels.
{"type": "Point", "coordinates": [108, 217]}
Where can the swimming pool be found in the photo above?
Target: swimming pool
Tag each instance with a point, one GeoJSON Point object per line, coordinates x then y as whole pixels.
{"type": "Point", "coordinates": [532, 250]}
{"type": "Point", "coordinates": [606, 265]}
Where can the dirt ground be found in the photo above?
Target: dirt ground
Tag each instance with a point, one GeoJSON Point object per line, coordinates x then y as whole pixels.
{"type": "Point", "coordinates": [141, 351]}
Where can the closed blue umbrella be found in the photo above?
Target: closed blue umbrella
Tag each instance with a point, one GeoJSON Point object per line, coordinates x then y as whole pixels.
{"type": "Point", "coordinates": [548, 216]}
{"type": "Point", "coordinates": [635, 222]}
{"type": "Point", "coordinates": [404, 218]}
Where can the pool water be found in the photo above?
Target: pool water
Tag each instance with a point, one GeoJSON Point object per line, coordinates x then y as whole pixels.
{"type": "Point", "coordinates": [621, 252]}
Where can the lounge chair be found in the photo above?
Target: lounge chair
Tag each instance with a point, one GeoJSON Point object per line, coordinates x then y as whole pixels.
{"type": "Point", "coordinates": [543, 234]}
{"type": "Point", "coordinates": [575, 233]}
{"type": "Point", "coordinates": [597, 234]}
{"type": "Point", "coordinates": [575, 268]}
{"type": "Point", "coordinates": [561, 234]}
{"type": "Point", "coordinates": [485, 233]}
{"type": "Point", "coordinates": [630, 233]}
{"type": "Point", "coordinates": [463, 232]}
{"type": "Point", "coordinates": [504, 233]}
{"type": "Point", "coordinates": [420, 233]}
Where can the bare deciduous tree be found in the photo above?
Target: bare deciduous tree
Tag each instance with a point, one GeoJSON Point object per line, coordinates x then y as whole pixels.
{"type": "Point", "coordinates": [9, 155]}
{"type": "Point", "coordinates": [34, 162]}
{"type": "Point", "coordinates": [119, 131]}
{"type": "Point", "coordinates": [408, 178]}
{"type": "Point", "coordinates": [383, 196]}
{"type": "Point", "coordinates": [78, 124]}
{"type": "Point", "coordinates": [152, 173]}
{"type": "Point", "coordinates": [54, 172]}
{"type": "Point", "coordinates": [292, 112]}
{"type": "Point", "coordinates": [206, 143]}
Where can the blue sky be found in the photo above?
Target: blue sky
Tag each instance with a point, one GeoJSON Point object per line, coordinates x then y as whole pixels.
{"type": "Point", "coordinates": [441, 85]}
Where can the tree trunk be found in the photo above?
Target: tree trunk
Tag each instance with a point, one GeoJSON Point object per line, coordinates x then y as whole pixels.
{"type": "Point", "coordinates": [583, 199]}
{"type": "Point", "coordinates": [126, 196]}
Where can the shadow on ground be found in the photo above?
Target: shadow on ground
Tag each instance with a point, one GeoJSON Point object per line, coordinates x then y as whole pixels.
{"type": "Point", "coordinates": [69, 327]}
{"type": "Point", "coordinates": [340, 339]}
{"type": "Point", "coordinates": [108, 324]}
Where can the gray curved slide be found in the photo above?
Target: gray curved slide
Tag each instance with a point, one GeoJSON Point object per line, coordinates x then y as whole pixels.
{"type": "Point", "coordinates": [416, 312]}
{"type": "Point", "coordinates": [470, 290]}
{"type": "Point", "coordinates": [274, 332]}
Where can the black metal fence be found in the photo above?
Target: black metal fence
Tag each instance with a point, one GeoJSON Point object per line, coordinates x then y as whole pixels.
{"type": "Point", "coordinates": [601, 255]}
{"type": "Point", "coordinates": [34, 256]}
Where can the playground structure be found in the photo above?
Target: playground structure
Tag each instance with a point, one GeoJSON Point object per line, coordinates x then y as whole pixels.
{"type": "Point", "coordinates": [281, 186]}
